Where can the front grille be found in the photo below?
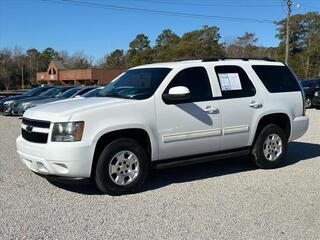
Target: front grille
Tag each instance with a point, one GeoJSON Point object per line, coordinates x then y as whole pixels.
{"type": "Point", "coordinates": [36, 123]}
{"type": "Point", "coordinates": [33, 135]}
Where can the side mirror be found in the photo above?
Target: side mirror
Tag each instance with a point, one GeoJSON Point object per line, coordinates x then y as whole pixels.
{"type": "Point", "coordinates": [176, 95]}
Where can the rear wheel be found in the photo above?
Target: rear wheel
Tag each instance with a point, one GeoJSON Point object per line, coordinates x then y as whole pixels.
{"type": "Point", "coordinates": [122, 167]}
{"type": "Point", "coordinates": [270, 148]}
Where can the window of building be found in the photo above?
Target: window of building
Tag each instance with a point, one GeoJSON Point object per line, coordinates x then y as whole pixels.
{"type": "Point", "coordinates": [196, 80]}
{"type": "Point", "coordinates": [277, 78]}
{"type": "Point", "coordinates": [234, 82]}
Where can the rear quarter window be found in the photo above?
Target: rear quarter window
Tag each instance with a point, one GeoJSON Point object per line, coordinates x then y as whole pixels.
{"type": "Point", "coordinates": [277, 78]}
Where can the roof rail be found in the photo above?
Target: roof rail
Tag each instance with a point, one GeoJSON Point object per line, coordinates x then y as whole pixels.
{"type": "Point", "coordinates": [214, 59]}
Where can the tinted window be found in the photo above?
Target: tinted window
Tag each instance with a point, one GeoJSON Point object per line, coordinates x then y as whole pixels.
{"type": "Point", "coordinates": [234, 82]}
{"type": "Point", "coordinates": [54, 92]}
{"type": "Point", "coordinates": [83, 91]}
{"type": "Point", "coordinates": [136, 84]}
{"type": "Point", "coordinates": [277, 78]}
{"type": "Point", "coordinates": [69, 93]}
{"type": "Point", "coordinates": [92, 93]}
{"type": "Point", "coordinates": [36, 91]}
{"type": "Point", "coordinates": [197, 80]}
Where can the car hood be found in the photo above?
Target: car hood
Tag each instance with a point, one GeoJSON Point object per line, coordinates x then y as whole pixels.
{"type": "Point", "coordinates": [63, 110]}
{"type": "Point", "coordinates": [46, 100]}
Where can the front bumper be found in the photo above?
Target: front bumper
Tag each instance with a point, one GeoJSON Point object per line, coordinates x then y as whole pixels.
{"type": "Point", "coordinates": [299, 127]}
{"type": "Point", "coordinates": [17, 110]}
{"type": "Point", "coordinates": [72, 160]}
{"type": "Point", "coordinates": [5, 110]}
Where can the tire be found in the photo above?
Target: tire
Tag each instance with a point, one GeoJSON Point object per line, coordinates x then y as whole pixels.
{"type": "Point", "coordinates": [110, 173]}
{"type": "Point", "coordinates": [308, 103]}
{"type": "Point", "coordinates": [266, 152]}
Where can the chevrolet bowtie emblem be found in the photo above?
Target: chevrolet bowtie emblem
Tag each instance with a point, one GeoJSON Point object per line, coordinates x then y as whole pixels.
{"type": "Point", "coordinates": [29, 128]}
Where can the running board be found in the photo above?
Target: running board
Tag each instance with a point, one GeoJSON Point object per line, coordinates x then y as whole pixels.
{"type": "Point", "coordinates": [177, 162]}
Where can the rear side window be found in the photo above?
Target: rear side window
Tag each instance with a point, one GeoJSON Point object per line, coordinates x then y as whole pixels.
{"type": "Point", "coordinates": [234, 82]}
{"type": "Point", "coordinates": [197, 80]}
{"type": "Point", "coordinates": [277, 78]}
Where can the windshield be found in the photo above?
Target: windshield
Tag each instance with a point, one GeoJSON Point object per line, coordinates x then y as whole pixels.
{"type": "Point", "coordinates": [51, 92]}
{"type": "Point", "coordinates": [136, 83]}
{"type": "Point", "coordinates": [69, 93]}
{"type": "Point", "coordinates": [35, 91]}
{"type": "Point", "coordinates": [92, 93]}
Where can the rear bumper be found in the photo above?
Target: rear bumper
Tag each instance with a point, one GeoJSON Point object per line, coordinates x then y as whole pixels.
{"type": "Point", "coordinates": [69, 160]}
{"type": "Point", "coordinates": [299, 127]}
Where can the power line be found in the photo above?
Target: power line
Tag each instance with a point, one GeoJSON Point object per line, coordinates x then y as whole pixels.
{"type": "Point", "coordinates": [158, 12]}
{"type": "Point", "coordinates": [216, 4]}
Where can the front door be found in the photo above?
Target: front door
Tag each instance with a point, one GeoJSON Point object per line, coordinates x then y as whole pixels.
{"type": "Point", "coordinates": [191, 127]}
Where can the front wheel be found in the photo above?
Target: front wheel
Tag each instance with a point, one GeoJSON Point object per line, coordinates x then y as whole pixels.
{"type": "Point", "coordinates": [270, 148]}
{"type": "Point", "coordinates": [122, 167]}
{"type": "Point", "coordinates": [308, 103]}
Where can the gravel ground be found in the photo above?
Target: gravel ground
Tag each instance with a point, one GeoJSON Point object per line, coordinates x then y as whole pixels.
{"type": "Point", "coordinates": [228, 199]}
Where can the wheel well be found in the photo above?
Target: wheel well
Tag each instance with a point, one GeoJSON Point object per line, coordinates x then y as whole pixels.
{"type": "Point", "coordinates": [280, 119]}
{"type": "Point", "coordinates": [139, 135]}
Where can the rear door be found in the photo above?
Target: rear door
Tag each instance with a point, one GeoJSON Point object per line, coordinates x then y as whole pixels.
{"type": "Point", "coordinates": [239, 105]}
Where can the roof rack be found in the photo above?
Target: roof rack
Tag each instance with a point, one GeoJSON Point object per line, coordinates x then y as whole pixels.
{"type": "Point", "coordinates": [214, 59]}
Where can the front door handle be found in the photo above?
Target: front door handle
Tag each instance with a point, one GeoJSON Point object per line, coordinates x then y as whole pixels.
{"type": "Point", "coordinates": [211, 110]}
{"type": "Point", "coordinates": [255, 104]}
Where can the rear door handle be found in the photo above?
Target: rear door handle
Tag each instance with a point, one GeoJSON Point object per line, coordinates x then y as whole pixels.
{"type": "Point", "coordinates": [211, 110]}
{"type": "Point", "coordinates": [255, 104]}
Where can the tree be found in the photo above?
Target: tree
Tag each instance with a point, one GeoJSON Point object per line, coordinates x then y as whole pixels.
{"type": "Point", "coordinates": [165, 48]}
{"type": "Point", "coordinates": [45, 57]}
{"type": "Point", "coordinates": [116, 60]}
{"type": "Point", "coordinates": [201, 43]}
{"type": "Point", "coordinates": [304, 42]}
{"type": "Point", "coordinates": [140, 51]}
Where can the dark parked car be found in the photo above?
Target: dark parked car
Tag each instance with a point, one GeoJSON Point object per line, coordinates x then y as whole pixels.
{"type": "Point", "coordinates": [310, 87]}
{"type": "Point", "coordinates": [6, 103]}
{"type": "Point", "coordinates": [71, 93]}
{"type": "Point", "coordinates": [19, 107]}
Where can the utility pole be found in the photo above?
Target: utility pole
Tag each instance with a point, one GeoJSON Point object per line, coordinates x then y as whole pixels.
{"type": "Point", "coordinates": [289, 5]}
{"type": "Point", "coordinates": [22, 78]}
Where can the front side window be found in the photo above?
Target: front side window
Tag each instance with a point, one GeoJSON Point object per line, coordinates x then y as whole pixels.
{"type": "Point", "coordinates": [196, 79]}
{"type": "Point", "coordinates": [234, 82]}
{"type": "Point", "coordinates": [136, 83]}
{"type": "Point", "coordinates": [277, 78]}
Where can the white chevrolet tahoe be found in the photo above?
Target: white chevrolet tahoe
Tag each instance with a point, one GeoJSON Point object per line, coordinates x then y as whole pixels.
{"type": "Point", "coordinates": [167, 114]}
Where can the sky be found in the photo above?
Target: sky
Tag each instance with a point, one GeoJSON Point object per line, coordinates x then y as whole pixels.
{"type": "Point", "coordinates": [98, 28]}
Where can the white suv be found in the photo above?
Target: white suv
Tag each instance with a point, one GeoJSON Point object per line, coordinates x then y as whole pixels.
{"type": "Point", "coordinates": [167, 114]}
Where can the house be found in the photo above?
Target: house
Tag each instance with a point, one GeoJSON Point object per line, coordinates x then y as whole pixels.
{"type": "Point", "coordinates": [92, 76]}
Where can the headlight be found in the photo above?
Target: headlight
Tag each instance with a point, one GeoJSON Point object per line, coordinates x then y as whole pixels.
{"type": "Point", "coordinates": [317, 94]}
{"type": "Point", "coordinates": [9, 102]}
{"type": "Point", "coordinates": [67, 132]}
{"type": "Point", "coordinates": [27, 105]}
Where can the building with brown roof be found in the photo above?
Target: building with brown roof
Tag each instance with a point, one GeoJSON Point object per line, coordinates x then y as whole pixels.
{"type": "Point", "coordinates": [91, 76]}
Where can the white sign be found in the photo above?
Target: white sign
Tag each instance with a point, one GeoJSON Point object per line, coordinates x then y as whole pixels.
{"type": "Point", "coordinates": [229, 81]}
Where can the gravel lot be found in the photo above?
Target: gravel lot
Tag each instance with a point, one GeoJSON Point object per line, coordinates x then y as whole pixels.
{"type": "Point", "coordinates": [228, 199]}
